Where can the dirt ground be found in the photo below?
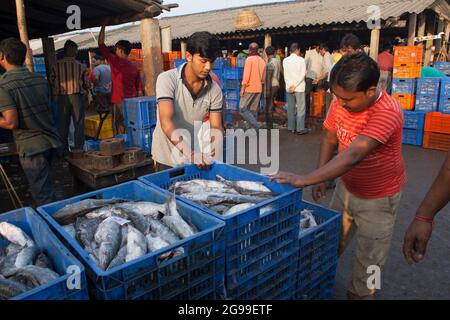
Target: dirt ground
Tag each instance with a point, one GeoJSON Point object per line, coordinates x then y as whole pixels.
{"type": "Point", "coordinates": [428, 280]}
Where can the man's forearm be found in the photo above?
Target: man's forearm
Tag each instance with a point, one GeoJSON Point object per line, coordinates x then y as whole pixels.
{"type": "Point", "coordinates": [176, 140]}
{"type": "Point", "coordinates": [327, 149]}
{"type": "Point", "coordinates": [101, 36]}
{"type": "Point", "coordinates": [439, 194]}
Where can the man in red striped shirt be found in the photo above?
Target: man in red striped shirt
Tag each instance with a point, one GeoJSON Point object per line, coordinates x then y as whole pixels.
{"type": "Point", "coordinates": [365, 124]}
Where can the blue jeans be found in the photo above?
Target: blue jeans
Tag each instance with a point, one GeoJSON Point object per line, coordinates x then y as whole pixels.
{"type": "Point", "coordinates": [296, 111]}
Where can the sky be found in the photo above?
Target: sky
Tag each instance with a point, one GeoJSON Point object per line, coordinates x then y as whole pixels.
{"type": "Point", "coordinates": [194, 6]}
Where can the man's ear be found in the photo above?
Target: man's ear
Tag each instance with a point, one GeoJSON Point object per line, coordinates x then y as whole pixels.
{"type": "Point", "coordinates": [189, 56]}
{"type": "Point", "coordinates": [372, 91]}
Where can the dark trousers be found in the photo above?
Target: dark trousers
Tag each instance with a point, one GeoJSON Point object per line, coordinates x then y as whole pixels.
{"type": "Point", "coordinates": [269, 106]}
{"type": "Point", "coordinates": [37, 171]}
{"type": "Point", "coordinates": [161, 167]}
{"type": "Point", "coordinates": [71, 106]}
{"type": "Point", "coordinates": [118, 119]}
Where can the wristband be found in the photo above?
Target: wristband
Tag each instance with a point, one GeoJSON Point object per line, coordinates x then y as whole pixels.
{"type": "Point", "coordinates": [424, 219]}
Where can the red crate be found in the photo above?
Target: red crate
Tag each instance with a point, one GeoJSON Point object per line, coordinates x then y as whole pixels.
{"type": "Point", "coordinates": [437, 122]}
{"type": "Point", "coordinates": [436, 141]}
{"type": "Point", "coordinates": [406, 101]}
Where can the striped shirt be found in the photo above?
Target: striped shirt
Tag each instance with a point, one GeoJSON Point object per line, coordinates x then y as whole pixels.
{"type": "Point", "coordinates": [69, 77]}
{"type": "Point", "coordinates": [382, 173]}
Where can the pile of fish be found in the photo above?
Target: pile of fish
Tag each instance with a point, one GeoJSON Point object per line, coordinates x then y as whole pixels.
{"type": "Point", "coordinates": [223, 196]}
{"type": "Point", "coordinates": [22, 265]}
{"type": "Point", "coordinates": [307, 220]}
{"type": "Point", "coordinates": [116, 231]}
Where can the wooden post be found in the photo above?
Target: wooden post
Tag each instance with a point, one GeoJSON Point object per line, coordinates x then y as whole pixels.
{"type": "Point", "coordinates": [430, 28]}
{"type": "Point", "coordinates": [412, 28]}
{"type": "Point", "coordinates": [267, 40]}
{"type": "Point", "coordinates": [48, 47]}
{"type": "Point", "coordinates": [422, 21]}
{"type": "Point", "coordinates": [183, 49]}
{"type": "Point", "coordinates": [166, 39]}
{"type": "Point", "coordinates": [151, 50]}
{"type": "Point", "coordinates": [440, 28]}
{"type": "Point", "coordinates": [23, 31]}
{"type": "Point", "coordinates": [374, 43]}
{"type": "Point", "coordinates": [91, 55]}
{"type": "Point", "coordinates": [447, 34]}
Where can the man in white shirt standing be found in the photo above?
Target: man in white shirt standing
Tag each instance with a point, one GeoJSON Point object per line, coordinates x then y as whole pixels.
{"type": "Point", "coordinates": [294, 75]}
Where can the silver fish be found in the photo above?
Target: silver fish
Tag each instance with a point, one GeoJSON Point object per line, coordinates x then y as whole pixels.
{"type": "Point", "coordinates": [171, 207]}
{"type": "Point", "coordinates": [159, 229]}
{"type": "Point", "coordinates": [255, 188]}
{"type": "Point", "coordinates": [12, 248]}
{"type": "Point", "coordinates": [43, 261]}
{"type": "Point", "coordinates": [8, 263]}
{"type": "Point", "coordinates": [136, 244]}
{"type": "Point", "coordinates": [34, 276]}
{"type": "Point", "coordinates": [156, 243]}
{"type": "Point", "coordinates": [26, 256]}
{"type": "Point", "coordinates": [179, 226]}
{"type": "Point", "coordinates": [10, 288]}
{"type": "Point", "coordinates": [108, 236]}
{"type": "Point", "coordinates": [238, 207]}
{"type": "Point", "coordinates": [119, 259]}
{"type": "Point", "coordinates": [144, 208]}
{"type": "Point", "coordinates": [106, 212]}
{"type": "Point", "coordinates": [71, 212]}
{"type": "Point", "coordinates": [70, 229]}
{"type": "Point", "coordinates": [199, 186]}
{"type": "Point", "coordinates": [85, 230]}
{"type": "Point", "coordinates": [218, 198]}
{"type": "Point", "coordinates": [15, 235]}
{"type": "Point", "coordinates": [138, 220]}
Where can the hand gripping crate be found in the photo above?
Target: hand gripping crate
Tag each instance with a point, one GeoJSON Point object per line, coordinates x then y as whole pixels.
{"type": "Point", "coordinates": [403, 86]}
{"type": "Point", "coordinates": [198, 273]}
{"type": "Point", "coordinates": [256, 238]}
{"type": "Point", "coordinates": [318, 254]}
{"type": "Point", "coordinates": [63, 261]}
{"type": "Point", "coordinates": [140, 112]}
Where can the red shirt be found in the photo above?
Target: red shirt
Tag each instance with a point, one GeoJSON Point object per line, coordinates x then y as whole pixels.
{"type": "Point", "coordinates": [382, 173]}
{"type": "Point", "coordinates": [386, 61]}
{"type": "Point", "coordinates": [125, 77]}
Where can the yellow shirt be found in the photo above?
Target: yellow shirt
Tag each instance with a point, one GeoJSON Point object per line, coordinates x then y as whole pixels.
{"type": "Point", "coordinates": [336, 56]}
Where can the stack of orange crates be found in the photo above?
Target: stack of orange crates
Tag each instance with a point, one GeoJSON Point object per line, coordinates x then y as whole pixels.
{"type": "Point", "coordinates": [317, 109]}
{"type": "Point", "coordinates": [437, 131]}
{"type": "Point", "coordinates": [168, 58]}
{"type": "Point", "coordinates": [137, 57]}
{"type": "Point", "coordinates": [407, 65]}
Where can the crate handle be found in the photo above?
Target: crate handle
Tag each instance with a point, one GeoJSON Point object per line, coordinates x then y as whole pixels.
{"type": "Point", "coordinates": [319, 233]}
{"type": "Point", "coordinates": [176, 173]}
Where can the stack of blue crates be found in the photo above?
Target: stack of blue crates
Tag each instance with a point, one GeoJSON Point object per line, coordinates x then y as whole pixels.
{"type": "Point", "coordinates": [403, 86]}
{"type": "Point", "coordinates": [413, 125]}
{"type": "Point", "coordinates": [220, 64]}
{"type": "Point", "coordinates": [39, 66]}
{"type": "Point", "coordinates": [443, 67]}
{"type": "Point", "coordinates": [140, 119]}
{"type": "Point", "coordinates": [178, 62]}
{"type": "Point", "coordinates": [444, 100]}
{"type": "Point", "coordinates": [427, 94]}
{"type": "Point", "coordinates": [232, 85]}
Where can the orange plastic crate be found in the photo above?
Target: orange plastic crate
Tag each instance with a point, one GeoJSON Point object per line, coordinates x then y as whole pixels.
{"type": "Point", "coordinates": [317, 109]}
{"type": "Point", "coordinates": [165, 56]}
{"type": "Point", "coordinates": [406, 101]}
{"type": "Point", "coordinates": [233, 62]}
{"type": "Point", "coordinates": [407, 71]}
{"type": "Point", "coordinates": [436, 141]}
{"type": "Point", "coordinates": [437, 122]}
{"type": "Point", "coordinates": [136, 54]}
{"type": "Point", "coordinates": [407, 55]}
{"type": "Point", "coordinates": [174, 55]}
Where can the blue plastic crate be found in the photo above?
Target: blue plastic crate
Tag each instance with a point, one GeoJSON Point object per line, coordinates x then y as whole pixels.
{"type": "Point", "coordinates": [196, 274]}
{"type": "Point", "coordinates": [140, 112]}
{"type": "Point", "coordinates": [445, 87]}
{"type": "Point", "coordinates": [232, 104]}
{"type": "Point", "coordinates": [232, 84]}
{"type": "Point", "coordinates": [228, 117]}
{"type": "Point", "coordinates": [92, 145]}
{"type": "Point", "coordinates": [33, 225]}
{"type": "Point", "coordinates": [220, 63]}
{"type": "Point", "coordinates": [240, 62]}
{"type": "Point", "coordinates": [444, 104]}
{"type": "Point", "coordinates": [141, 138]}
{"type": "Point", "coordinates": [413, 119]}
{"type": "Point", "coordinates": [443, 66]}
{"type": "Point", "coordinates": [178, 62]}
{"type": "Point", "coordinates": [323, 288]}
{"type": "Point", "coordinates": [428, 86]}
{"type": "Point", "coordinates": [232, 95]}
{"type": "Point", "coordinates": [403, 86]}
{"type": "Point", "coordinates": [255, 240]}
{"type": "Point", "coordinates": [426, 103]}
{"type": "Point", "coordinates": [412, 136]}
{"type": "Point", "coordinates": [318, 253]}
{"type": "Point", "coordinates": [233, 73]}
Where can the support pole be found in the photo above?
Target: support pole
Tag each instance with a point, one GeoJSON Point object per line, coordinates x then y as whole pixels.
{"type": "Point", "coordinates": [183, 49]}
{"type": "Point", "coordinates": [412, 24]}
{"type": "Point", "coordinates": [430, 29]}
{"type": "Point", "coordinates": [48, 47]}
{"type": "Point", "coordinates": [23, 31]}
{"type": "Point", "coordinates": [166, 39]}
{"type": "Point", "coordinates": [151, 50]}
{"type": "Point", "coordinates": [374, 43]}
{"type": "Point", "coordinates": [267, 40]}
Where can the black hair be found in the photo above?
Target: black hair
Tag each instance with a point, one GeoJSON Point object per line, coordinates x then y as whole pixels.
{"type": "Point", "coordinates": [350, 41]}
{"type": "Point", "coordinates": [125, 45]}
{"type": "Point", "coordinates": [324, 46]}
{"type": "Point", "coordinates": [68, 45]}
{"type": "Point", "coordinates": [294, 46]}
{"type": "Point", "coordinates": [270, 51]}
{"type": "Point", "coordinates": [355, 72]}
{"type": "Point", "coordinates": [14, 51]}
{"type": "Point", "coordinates": [387, 47]}
{"type": "Point", "coordinates": [205, 44]}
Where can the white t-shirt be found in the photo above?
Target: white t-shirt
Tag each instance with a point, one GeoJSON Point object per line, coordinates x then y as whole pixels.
{"type": "Point", "coordinates": [294, 72]}
{"type": "Point", "coordinates": [314, 64]}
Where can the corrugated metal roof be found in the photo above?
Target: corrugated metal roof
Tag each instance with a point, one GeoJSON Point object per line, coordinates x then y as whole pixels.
{"type": "Point", "coordinates": [275, 16]}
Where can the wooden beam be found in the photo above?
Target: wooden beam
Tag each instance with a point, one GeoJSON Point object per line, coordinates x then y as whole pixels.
{"type": "Point", "coordinates": [23, 31]}
{"type": "Point", "coordinates": [183, 49]}
{"type": "Point", "coordinates": [166, 39]}
{"type": "Point", "coordinates": [267, 40]}
{"type": "Point", "coordinates": [48, 47]}
{"type": "Point", "coordinates": [151, 49]}
{"type": "Point", "coordinates": [430, 29]}
{"type": "Point", "coordinates": [422, 22]}
{"type": "Point", "coordinates": [374, 43]}
{"type": "Point", "coordinates": [412, 24]}
{"type": "Point", "coordinates": [440, 28]}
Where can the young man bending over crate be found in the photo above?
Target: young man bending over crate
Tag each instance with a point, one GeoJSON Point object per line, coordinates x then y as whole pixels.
{"type": "Point", "coordinates": [186, 97]}
{"type": "Point", "coordinates": [366, 127]}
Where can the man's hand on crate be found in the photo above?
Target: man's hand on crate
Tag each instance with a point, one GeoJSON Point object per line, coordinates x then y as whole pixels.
{"type": "Point", "coordinates": [289, 178]}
